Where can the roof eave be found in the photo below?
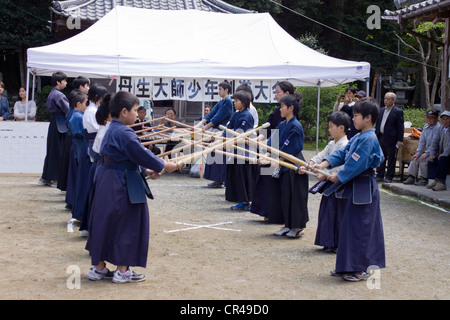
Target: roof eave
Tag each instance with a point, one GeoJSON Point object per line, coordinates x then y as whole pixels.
{"type": "Point", "coordinates": [427, 12]}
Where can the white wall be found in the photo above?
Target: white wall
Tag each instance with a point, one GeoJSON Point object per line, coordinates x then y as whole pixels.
{"type": "Point", "coordinates": [22, 146]}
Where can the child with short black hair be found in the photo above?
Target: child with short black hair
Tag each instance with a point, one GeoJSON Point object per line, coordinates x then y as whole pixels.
{"type": "Point", "coordinates": [103, 118]}
{"type": "Point", "coordinates": [240, 175]}
{"type": "Point", "coordinates": [81, 83]}
{"type": "Point", "coordinates": [220, 114]}
{"type": "Point", "coordinates": [328, 222]}
{"type": "Point", "coordinates": [119, 217]}
{"type": "Point", "coordinates": [288, 197]}
{"type": "Point", "coordinates": [251, 108]}
{"type": "Point", "coordinates": [58, 106]}
{"type": "Point", "coordinates": [361, 237]}
{"type": "Point", "coordinates": [260, 202]}
{"type": "Point", "coordinates": [88, 158]}
{"type": "Point", "coordinates": [78, 102]}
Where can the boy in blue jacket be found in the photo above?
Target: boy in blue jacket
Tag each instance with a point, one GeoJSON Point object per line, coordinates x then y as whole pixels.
{"type": "Point", "coordinates": [361, 237]}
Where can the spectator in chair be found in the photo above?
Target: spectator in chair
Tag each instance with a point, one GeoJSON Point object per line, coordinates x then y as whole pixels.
{"type": "Point", "coordinates": [439, 159]}
{"type": "Point", "coordinates": [418, 167]}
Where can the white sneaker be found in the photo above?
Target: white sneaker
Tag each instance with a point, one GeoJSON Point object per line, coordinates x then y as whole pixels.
{"type": "Point", "coordinates": [128, 276]}
{"type": "Point", "coordinates": [95, 274]}
{"type": "Point", "coordinates": [84, 233]}
{"type": "Point", "coordinates": [295, 233]}
{"type": "Point", "coordinates": [283, 231]}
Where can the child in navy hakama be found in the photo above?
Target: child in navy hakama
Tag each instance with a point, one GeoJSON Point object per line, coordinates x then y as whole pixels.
{"type": "Point", "coordinates": [68, 155]}
{"type": "Point", "coordinates": [79, 84]}
{"type": "Point", "coordinates": [240, 173]}
{"type": "Point", "coordinates": [260, 203]}
{"type": "Point", "coordinates": [361, 238]}
{"type": "Point", "coordinates": [58, 105]}
{"type": "Point", "coordinates": [65, 159]}
{"type": "Point", "coordinates": [119, 217]}
{"type": "Point", "coordinates": [78, 103]}
{"type": "Point", "coordinates": [329, 219]}
{"type": "Point", "coordinates": [86, 159]}
{"type": "Point", "coordinates": [288, 199]}
{"type": "Point", "coordinates": [220, 114]}
{"type": "Point", "coordinates": [101, 117]}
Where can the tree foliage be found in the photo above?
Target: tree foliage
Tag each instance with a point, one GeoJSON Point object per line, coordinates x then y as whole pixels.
{"type": "Point", "coordinates": [342, 17]}
{"type": "Point", "coordinates": [428, 53]}
{"type": "Point", "coordinates": [25, 23]}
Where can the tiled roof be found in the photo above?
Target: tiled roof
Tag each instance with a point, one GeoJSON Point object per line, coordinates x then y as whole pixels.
{"type": "Point", "coordinates": [96, 9]}
{"type": "Point", "coordinates": [418, 8]}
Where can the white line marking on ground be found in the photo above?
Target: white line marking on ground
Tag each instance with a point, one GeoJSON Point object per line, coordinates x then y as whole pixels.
{"type": "Point", "coordinates": [198, 226]}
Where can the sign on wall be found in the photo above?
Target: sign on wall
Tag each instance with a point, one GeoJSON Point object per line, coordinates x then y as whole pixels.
{"type": "Point", "coordinates": [192, 89]}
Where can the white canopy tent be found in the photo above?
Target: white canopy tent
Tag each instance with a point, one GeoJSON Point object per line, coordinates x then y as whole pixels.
{"type": "Point", "coordinates": [191, 44]}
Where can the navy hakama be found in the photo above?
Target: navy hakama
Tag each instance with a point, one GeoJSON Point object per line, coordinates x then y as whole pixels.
{"type": "Point", "coordinates": [329, 217]}
{"type": "Point", "coordinates": [90, 189]}
{"type": "Point", "coordinates": [288, 200]}
{"type": "Point", "coordinates": [260, 202]}
{"type": "Point", "coordinates": [361, 238]}
{"type": "Point", "coordinates": [58, 105]}
{"type": "Point", "coordinates": [81, 191]}
{"type": "Point", "coordinates": [75, 124]}
{"type": "Point", "coordinates": [65, 159]}
{"type": "Point", "coordinates": [55, 147]}
{"type": "Point", "coordinates": [72, 175]}
{"type": "Point", "coordinates": [240, 174]}
{"type": "Point", "coordinates": [328, 222]}
{"type": "Point", "coordinates": [240, 182]}
{"type": "Point", "coordinates": [215, 171]}
{"type": "Point", "coordinates": [119, 230]}
{"type": "Point", "coordinates": [288, 197]}
{"type": "Point", "coordinates": [220, 115]}
{"type": "Point", "coordinates": [119, 220]}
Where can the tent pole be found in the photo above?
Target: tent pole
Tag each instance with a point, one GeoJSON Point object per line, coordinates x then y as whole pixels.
{"type": "Point", "coordinates": [318, 117]}
{"type": "Point", "coordinates": [203, 109]}
{"type": "Point", "coordinates": [33, 86]}
{"type": "Point", "coordinates": [367, 86]}
{"type": "Point", "coordinates": [26, 96]}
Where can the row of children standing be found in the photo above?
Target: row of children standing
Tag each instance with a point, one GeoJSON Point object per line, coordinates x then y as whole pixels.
{"type": "Point", "coordinates": [347, 220]}
{"type": "Point", "coordinates": [105, 185]}
{"type": "Point", "coordinates": [247, 183]}
{"type": "Point", "coordinates": [358, 247]}
{"type": "Point", "coordinates": [73, 156]}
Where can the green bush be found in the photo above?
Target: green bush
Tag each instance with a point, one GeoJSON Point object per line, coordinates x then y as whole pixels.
{"type": "Point", "coordinates": [416, 116]}
{"type": "Point", "coordinates": [264, 111]}
{"type": "Point", "coordinates": [40, 98]}
{"type": "Point", "coordinates": [308, 114]}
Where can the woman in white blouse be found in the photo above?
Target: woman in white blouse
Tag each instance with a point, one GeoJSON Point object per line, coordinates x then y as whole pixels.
{"type": "Point", "coordinates": [20, 107]}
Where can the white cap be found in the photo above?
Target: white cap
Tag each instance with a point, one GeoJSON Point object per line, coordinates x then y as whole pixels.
{"type": "Point", "coordinates": [445, 113]}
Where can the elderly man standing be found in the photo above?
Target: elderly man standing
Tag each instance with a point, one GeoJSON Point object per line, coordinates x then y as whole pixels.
{"type": "Point", "coordinates": [390, 129]}
{"type": "Point", "coordinates": [418, 167]}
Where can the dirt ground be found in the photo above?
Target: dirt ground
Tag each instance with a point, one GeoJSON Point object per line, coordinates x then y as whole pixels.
{"type": "Point", "coordinates": [236, 257]}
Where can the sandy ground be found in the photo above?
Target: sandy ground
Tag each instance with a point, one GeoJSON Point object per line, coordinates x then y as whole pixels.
{"type": "Point", "coordinates": [237, 259]}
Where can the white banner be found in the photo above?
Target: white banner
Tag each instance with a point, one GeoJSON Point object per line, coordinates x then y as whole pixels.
{"type": "Point", "coordinates": [23, 146]}
{"type": "Point", "coordinates": [192, 89]}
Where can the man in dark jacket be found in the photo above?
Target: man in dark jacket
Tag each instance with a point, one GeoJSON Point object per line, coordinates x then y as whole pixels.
{"type": "Point", "coordinates": [390, 129]}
